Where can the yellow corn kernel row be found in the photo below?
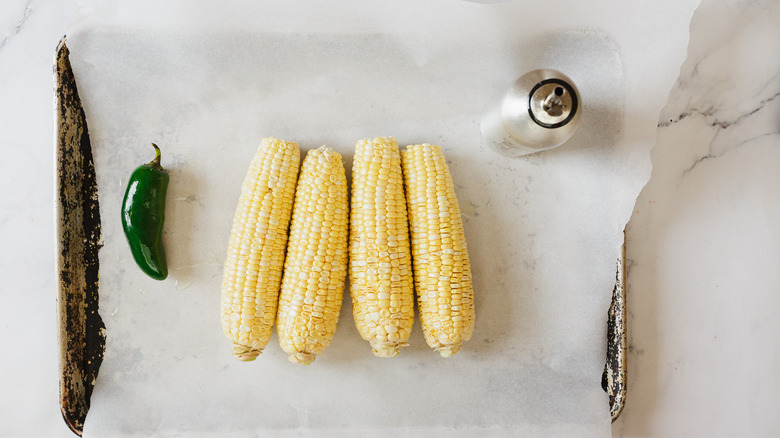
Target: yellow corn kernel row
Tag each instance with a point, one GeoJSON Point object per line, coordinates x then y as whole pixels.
{"type": "Point", "coordinates": [442, 271]}
{"type": "Point", "coordinates": [380, 269]}
{"type": "Point", "coordinates": [255, 255]}
{"type": "Point", "coordinates": [316, 264]}
{"type": "Point", "coordinates": [381, 276]}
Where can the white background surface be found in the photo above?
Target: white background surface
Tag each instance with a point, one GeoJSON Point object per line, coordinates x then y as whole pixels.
{"type": "Point", "coordinates": [667, 376]}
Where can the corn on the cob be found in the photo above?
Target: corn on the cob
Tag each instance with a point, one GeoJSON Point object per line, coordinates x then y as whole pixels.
{"type": "Point", "coordinates": [442, 273]}
{"type": "Point", "coordinates": [316, 263]}
{"type": "Point", "coordinates": [255, 256]}
{"type": "Point", "coordinates": [380, 270]}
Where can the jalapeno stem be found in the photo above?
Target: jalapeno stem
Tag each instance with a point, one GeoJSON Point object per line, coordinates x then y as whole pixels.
{"type": "Point", "coordinates": [157, 154]}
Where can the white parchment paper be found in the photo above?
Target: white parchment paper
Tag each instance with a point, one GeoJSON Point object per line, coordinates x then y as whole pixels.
{"type": "Point", "coordinates": [207, 82]}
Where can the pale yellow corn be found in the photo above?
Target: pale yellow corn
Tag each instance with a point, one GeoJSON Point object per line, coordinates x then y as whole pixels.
{"type": "Point", "coordinates": [316, 265]}
{"type": "Point", "coordinates": [380, 269]}
{"type": "Point", "coordinates": [442, 273]}
{"type": "Point", "coordinates": [255, 255]}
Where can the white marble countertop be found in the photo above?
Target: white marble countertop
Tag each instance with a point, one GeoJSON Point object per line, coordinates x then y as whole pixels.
{"type": "Point", "coordinates": [701, 245]}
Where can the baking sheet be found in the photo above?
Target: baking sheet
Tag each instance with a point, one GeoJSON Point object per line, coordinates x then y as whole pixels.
{"type": "Point", "coordinates": [544, 232]}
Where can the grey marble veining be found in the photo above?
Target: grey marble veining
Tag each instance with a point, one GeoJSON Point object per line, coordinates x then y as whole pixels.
{"type": "Point", "coordinates": [16, 28]}
{"type": "Point", "coordinates": [730, 81]}
{"type": "Point", "coordinates": [703, 240]}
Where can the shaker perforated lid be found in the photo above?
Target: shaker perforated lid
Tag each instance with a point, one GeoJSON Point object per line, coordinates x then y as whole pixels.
{"type": "Point", "coordinates": [552, 103]}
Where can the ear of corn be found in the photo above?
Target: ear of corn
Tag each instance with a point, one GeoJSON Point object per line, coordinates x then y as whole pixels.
{"type": "Point", "coordinates": [380, 273]}
{"type": "Point", "coordinates": [255, 256]}
{"type": "Point", "coordinates": [316, 264]}
{"type": "Point", "coordinates": [442, 273]}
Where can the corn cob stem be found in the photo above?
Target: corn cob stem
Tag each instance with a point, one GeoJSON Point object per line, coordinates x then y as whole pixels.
{"type": "Point", "coordinates": [442, 273]}
{"type": "Point", "coordinates": [255, 256]}
{"type": "Point", "coordinates": [316, 264]}
{"type": "Point", "coordinates": [381, 281]}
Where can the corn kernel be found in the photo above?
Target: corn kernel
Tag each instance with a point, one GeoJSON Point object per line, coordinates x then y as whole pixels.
{"type": "Point", "coordinates": [442, 273]}
{"type": "Point", "coordinates": [381, 279]}
{"type": "Point", "coordinates": [253, 268]}
{"type": "Point", "coordinates": [316, 265]}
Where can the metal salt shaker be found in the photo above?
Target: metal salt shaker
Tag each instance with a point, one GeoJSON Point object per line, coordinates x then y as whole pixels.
{"type": "Point", "coordinates": [539, 112]}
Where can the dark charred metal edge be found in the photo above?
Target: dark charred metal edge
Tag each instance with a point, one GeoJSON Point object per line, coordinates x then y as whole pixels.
{"type": "Point", "coordinates": [614, 378]}
{"type": "Point", "coordinates": [81, 329]}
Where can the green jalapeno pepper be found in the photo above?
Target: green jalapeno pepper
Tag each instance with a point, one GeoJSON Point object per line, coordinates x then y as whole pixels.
{"type": "Point", "coordinates": [143, 214]}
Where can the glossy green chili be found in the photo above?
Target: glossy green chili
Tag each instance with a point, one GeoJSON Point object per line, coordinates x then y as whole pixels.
{"type": "Point", "coordinates": [143, 214]}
